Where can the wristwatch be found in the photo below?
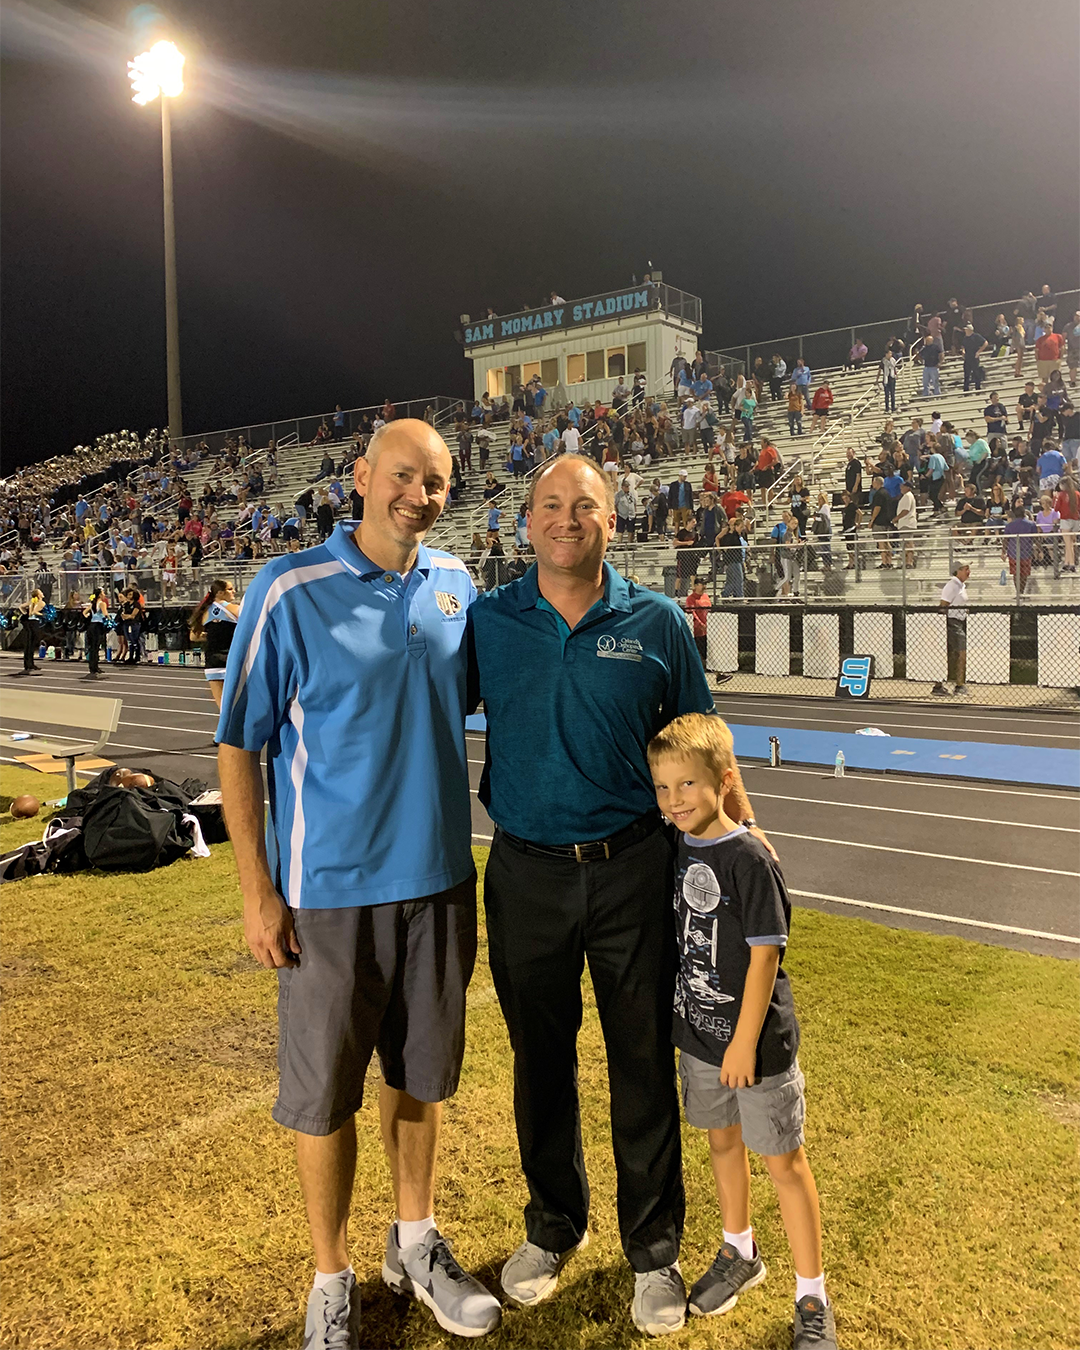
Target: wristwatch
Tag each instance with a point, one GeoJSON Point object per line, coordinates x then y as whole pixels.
{"type": "Point", "coordinates": [749, 822]}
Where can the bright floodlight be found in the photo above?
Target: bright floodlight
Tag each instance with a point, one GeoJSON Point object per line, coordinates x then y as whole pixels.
{"type": "Point", "coordinates": [158, 71]}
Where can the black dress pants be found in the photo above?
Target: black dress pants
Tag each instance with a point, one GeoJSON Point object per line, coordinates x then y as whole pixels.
{"type": "Point", "coordinates": [545, 918]}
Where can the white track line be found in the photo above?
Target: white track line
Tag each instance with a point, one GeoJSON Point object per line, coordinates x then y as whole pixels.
{"type": "Point", "coordinates": [942, 918]}
{"type": "Point", "coordinates": [963, 710]}
{"type": "Point", "coordinates": [898, 778]}
{"type": "Point", "coordinates": [904, 811]}
{"type": "Point", "coordinates": [915, 853]}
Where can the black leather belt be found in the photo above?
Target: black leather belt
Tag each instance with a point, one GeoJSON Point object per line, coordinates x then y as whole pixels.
{"type": "Point", "coordinates": [597, 850]}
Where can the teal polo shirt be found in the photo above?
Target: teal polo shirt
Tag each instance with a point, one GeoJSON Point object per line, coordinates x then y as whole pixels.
{"type": "Point", "coordinates": [570, 712]}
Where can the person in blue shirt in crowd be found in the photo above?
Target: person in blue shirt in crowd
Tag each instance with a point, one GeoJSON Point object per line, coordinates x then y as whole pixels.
{"type": "Point", "coordinates": [801, 376]}
{"type": "Point", "coordinates": [573, 415]}
{"type": "Point", "coordinates": [702, 386]}
{"type": "Point", "coordinates": [539, 397]}
{"type": "Point", "coordinates": [583, 667]}
{"type": "Point", "coordinates": [551, 441]}
{"type": "Point", "coordinates": [494, 516]}
{"type": "Point", "coordinates": [349, 665]}
{"type": "Point", "coordinates": [893, 483]}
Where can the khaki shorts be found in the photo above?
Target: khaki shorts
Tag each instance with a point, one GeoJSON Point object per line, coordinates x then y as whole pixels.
{"type": "Point", "coordinates": [772, 1112]}
{"type": "Point", "coordinates": [387, 978]}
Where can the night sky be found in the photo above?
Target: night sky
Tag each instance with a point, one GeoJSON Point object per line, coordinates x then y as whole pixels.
{"type": "Point", "coordinates": [352, 177]}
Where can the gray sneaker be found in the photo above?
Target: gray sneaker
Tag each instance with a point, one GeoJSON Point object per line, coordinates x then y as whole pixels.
{"type": "Point", "coordinates": [729, 1276]}
{"type": "Point", "coordinates": [333, 1316]}
{"type": "Point", "coordinates": [659, 1305]}
{"type": "Point", "coordinates": [532, 1273]}
{"type": "Point", "coordinates": [960, 689]}
{"type": "Point", "coordinates": [815, 1328]}
{"type": "Point", "coordinates": [428, 1272]}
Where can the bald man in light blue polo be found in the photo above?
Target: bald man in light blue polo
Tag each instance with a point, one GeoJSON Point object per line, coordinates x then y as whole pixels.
{"type": "Point", "coordinates": [349, 666]}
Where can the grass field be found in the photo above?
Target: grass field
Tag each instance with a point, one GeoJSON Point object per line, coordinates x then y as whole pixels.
{"type": "Point", "coordinates": [149, 1200]}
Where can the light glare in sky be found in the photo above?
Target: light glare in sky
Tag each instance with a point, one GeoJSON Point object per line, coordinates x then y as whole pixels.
{"type": "Point", "coordinates": [158, 71]}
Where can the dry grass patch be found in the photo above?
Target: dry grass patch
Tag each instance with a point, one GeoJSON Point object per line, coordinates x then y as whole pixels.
{"type": "Point", "coordinates": [149, 1200]}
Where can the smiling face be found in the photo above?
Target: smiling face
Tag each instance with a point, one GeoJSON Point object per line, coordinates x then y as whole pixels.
{"type": "Point", "coordinates": [570, 521]}
{"type": "Point", "coordinates": [404, 485]}
{"type": "Point", "coordinates": [688, 793]}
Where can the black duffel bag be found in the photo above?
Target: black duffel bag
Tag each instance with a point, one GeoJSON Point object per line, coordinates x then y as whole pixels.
{"type": "Point", "coordinates": [133, 830]}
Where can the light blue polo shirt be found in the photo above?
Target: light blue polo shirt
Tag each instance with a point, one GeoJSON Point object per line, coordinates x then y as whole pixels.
{"type": "Point", "coordinates": [581, 704]}
{"type": "Point", "coordinates": [354, 680]}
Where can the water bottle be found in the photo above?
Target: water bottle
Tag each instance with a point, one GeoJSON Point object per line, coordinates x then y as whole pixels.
{"type": "Point", "coordinates": [774, 751]}
{"type": "Point", "coordinates": [838, 771]}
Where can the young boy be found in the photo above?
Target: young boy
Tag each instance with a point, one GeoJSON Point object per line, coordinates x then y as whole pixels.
{"type": "Point", "coordinates": [735, 1022]}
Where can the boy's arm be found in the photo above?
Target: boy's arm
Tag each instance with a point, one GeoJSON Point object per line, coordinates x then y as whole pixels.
{"type": "Point", "coordinates": [740, 1059]}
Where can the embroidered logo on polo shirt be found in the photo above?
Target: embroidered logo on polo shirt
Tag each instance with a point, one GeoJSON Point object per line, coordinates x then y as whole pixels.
{"type": "Point", "coordinates": [448, 603]}
{"type": "Point", "coordinates": [621, 649]}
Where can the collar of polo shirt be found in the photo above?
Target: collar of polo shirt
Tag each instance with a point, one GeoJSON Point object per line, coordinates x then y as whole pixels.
{"type": "Point", "coordinates": [341, 545]}
{"type": "Point", "coordinates": [616, 593]}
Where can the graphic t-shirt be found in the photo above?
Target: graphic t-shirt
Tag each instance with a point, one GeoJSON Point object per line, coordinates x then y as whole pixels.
{"type": "Point", "coordinates": [729, 897]}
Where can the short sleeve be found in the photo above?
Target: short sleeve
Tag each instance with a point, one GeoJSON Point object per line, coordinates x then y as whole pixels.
{"type": "Point", "coordinates": [688, 689]}
{"type": "Point", "coordinates": [257, 684]}
{"type": "Point", "coordinates": [760, 886]}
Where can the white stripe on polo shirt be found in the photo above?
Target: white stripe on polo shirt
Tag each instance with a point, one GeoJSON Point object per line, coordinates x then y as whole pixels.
{"type": "Point", "coordinates": [299, 576]}
{"type": "Point", "coordinates": [296, 774]}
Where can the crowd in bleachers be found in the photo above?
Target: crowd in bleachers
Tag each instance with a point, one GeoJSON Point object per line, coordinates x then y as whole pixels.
{"type": "Point", "coordinates": [136, 507]}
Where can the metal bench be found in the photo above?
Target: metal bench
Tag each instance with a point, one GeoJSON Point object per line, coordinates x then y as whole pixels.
{"type": "Point", "coordinates": [77, 712]}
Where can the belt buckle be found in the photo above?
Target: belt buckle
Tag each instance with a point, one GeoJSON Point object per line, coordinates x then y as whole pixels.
{"type": "Point", "coordinates": [583, 857]}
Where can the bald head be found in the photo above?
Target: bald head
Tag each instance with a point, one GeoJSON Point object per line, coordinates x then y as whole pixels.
{"type": "Point", "coordinates": [406, 431]}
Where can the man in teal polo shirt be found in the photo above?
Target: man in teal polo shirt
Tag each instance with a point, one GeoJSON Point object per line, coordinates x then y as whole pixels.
{"type": "Point", "coordinates": [349, 666]}
{"type": "Point", "coordinates": [578, 669]}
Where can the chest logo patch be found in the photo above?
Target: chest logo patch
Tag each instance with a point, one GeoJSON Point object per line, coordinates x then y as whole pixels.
{"type": "Point", "coordinates": [700, 888]}
{"type": "Point", "coordinates": [448, 603]}
{"type": "Point", "coordinates": [618, 649]}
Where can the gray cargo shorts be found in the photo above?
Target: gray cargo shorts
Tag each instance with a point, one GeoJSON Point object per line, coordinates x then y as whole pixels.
{"type": "Point", "coordinates": [772, 1112]}
{"type": "Point", "coordinates": [388, 978]}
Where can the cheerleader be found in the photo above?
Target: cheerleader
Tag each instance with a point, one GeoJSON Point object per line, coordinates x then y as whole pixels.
{"type": "Point", "coordinates": [97, 614]}
{"type": "Point", "coordinates": [213, 624]}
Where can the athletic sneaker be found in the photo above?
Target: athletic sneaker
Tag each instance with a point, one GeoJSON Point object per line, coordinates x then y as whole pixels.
{"type": "Point", "coordinates": [960, 689]}
{"type": "Point", "coordinates": [659, 1305]}
{"type": "Point", "coordinates": [729, 1276]}
{"type": "Point", "coordinates": [531, 1273]}
{"type": "Point", "coordinates": [333, 1316]}
{"type": "Point", "coordinates": [939, 688]}
{"type": "Point", "coordinates": [427, 1270]}
{"type": "Point", "coordinates": [815, 1327]}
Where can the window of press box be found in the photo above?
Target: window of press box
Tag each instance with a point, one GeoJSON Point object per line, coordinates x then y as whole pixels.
{"type": "Point", "coordinates": [635, 357]}
{"type": "Point", "coordinates": [575, 368]}
{"type": "Point", "coordinates": [496, 382]}
{"type": "Point", "coordinates": [529, 370]}
{"type": "Point", "coordinates": [616, 361]}
{"type": "Point", "coordinates": [594, 365]}
{"type": "Point", "coordinates": [549, 371]}
{"type": "Point", "coordinates": [513, 377]}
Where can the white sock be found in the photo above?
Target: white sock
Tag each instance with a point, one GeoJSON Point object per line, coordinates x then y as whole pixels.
{"type": "Point", "coordinates": [815, 1287]}
{"type": "Point", "coordinates": [742, 1242]}
{"type": "Point", "coordinates": [322, 1279]}
{"type": "Point", "coordinates": [414, 1230]}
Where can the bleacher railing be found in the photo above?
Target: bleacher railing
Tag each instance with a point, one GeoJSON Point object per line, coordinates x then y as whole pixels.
{"type": "Point", "coordinates": [830, 346]}
{"type": "Point", "coordinates": [303, 430]}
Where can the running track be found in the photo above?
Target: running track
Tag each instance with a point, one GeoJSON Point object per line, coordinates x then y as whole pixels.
{"type": "Point", "coordinates": [988, 861]}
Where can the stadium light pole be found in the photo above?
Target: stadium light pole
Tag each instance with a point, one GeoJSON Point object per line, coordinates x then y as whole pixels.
{"type": "Point", "coordinates": [159, 73]}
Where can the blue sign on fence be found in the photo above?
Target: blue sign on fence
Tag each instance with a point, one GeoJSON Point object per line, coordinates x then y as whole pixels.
{"type": "Point", "coordinates": [566, 315]}
{"type": "Point", "coordinates": [854, 679]}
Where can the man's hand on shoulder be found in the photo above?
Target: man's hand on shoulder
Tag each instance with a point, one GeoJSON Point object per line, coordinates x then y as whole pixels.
{"type": "Point", "coordinates": [759, 833]}
{"type": "Point", "coordinates": [269, 931]}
